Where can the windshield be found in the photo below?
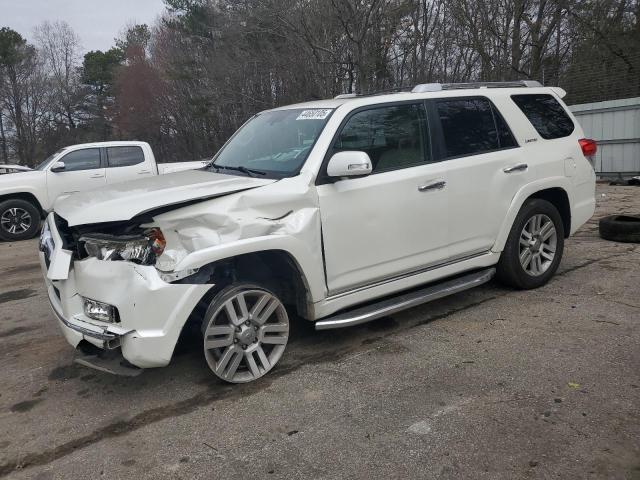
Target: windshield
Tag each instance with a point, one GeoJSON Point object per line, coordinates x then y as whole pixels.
{"type": "Point", "coordinates": [42, 165]}
{"type": "Point", "coordinates": [272, 144]}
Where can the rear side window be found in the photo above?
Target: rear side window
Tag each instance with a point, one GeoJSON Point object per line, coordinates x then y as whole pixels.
{"type": "Point", "coordinates": [471, 126]}
{"type": "Point", "coordinates": [545, 114]}
{"type": "Point", "coordinates": [393, 136]}
{"type": "Point", "coordinates": [124, 156]}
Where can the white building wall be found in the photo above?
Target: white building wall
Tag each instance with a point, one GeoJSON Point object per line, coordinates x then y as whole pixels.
{"type": "Point", "coordinates": [615, 124]}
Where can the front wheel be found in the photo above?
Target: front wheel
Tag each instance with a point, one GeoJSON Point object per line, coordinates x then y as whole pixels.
{"type": "Point", "coordinates": [19, 220]}
{"type": "Point", "coordinates": [534, 247]}
{"type": "Point", "coordinates": [245, 329]}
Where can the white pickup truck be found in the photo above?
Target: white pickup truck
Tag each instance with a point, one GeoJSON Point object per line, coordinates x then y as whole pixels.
{"type": "Point", "coordinates": [25, 196]}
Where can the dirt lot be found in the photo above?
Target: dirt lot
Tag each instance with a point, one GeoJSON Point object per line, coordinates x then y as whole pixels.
{"type": "Point", "coordinates": [491, 383]}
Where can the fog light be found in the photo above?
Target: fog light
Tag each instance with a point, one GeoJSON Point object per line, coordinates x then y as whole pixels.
{"type": "Point", "coordinates": [100, 311]}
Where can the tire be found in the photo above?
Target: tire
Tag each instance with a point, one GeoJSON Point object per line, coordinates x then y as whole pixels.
{"type": "Point", "coordinates": [620, 228]}
{"type": "Point", "coordinates": [530, 233]}
{"type": "Point", "coordinates": [19, 220]}
{"type": "Point", "coordinates": [245, 331]}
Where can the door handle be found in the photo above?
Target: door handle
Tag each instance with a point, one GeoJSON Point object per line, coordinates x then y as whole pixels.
{"type": "Point", "coordinates": [144, 172]}
{"type": "Point", "coordinates": [439, 185]}
{"type": "Point", "coordinates": [97, 175]}
{"type": "Point", "coordinates": [516, 168]}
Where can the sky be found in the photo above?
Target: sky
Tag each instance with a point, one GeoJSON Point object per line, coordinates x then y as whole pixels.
{"type": "Point", "coordinates": [96, 22]}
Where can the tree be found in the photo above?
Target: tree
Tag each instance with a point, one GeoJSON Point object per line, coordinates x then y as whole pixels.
{"type": "Point", "coordinates": [21, 94]}
{"type": "Point", "coordinates": [59, 48]}
{"type": "Point", "coordinates": [98, 71]}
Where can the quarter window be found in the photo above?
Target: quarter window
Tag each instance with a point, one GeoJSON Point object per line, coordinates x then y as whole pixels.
{"type": "Point", "coordinates": [545, 114]}
{"type": "Point", "coordinates": [124, 156]}
{"type": "Point", "coordinates": [86, 159]}
{"type": "Point", "coordinates": [471, 126]}
{"type": "Point", "coordinates": [394, 137]}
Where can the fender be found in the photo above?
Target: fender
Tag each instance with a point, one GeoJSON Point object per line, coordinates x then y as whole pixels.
{"type": "Point", "coordinates": [521, 196]}
{"type": "Point", "coordinates": [309, 262]}
{"type": "Point", "coordinates": [31, 183]}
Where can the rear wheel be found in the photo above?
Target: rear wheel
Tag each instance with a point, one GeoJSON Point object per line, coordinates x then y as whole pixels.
{"type": "Point", "coordinates": [534, 247]}
{"type": "Point", "coordinates": [245, 329]}
{"type": "Point", "coordinates": [19, 220]}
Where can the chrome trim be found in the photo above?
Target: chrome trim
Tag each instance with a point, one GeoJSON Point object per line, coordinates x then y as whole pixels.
{"type": "Point", "coordinates": [405, 301]}
{"type": "Point", "coordinates": [432, 186]}
{"type": "Point", "coordinates": [516, 168]}
{"type": "Point", "coordinates": [410, 273]}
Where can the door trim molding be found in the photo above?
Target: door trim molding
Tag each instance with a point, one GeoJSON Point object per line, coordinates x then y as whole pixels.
{"type": "Point", "coordinates": [333, 295]}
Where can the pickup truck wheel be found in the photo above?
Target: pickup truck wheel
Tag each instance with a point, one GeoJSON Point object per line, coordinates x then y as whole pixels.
{"type": "Point", "coordinates": [19, 220]}
{"type": "Point", "coordinates": [245, 330]}
{"type": "Point", "coordinates": [534, 248]}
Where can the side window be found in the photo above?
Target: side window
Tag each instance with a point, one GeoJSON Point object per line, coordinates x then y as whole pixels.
{"type": "Point", "coordinates": [86, 159]}
{"type": "Point", "coordinates": [124, 156]}
{"type": "Point", "coordinates": [468, 126]}
{"type": "Point", "coordinates": [505, 137]}
{"type": "Point", "coordinates": [394, 136]}
{"type": "Point", "coordinates": [545, 114]}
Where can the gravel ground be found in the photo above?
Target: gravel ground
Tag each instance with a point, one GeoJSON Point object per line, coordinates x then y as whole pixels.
{"type": "Point", "coordinates": [491, 383]}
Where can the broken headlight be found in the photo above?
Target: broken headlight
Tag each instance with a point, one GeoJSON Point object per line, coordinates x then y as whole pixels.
{"type": "Point", "coordinates": [141, 248]}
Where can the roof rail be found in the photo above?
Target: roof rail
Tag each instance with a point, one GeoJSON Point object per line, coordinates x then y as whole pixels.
{"type": "Point", "coordinates": [436, 87]}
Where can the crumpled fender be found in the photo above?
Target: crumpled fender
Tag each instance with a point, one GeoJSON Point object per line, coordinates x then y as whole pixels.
{"type": "Point", "coordinates": [283, 216]}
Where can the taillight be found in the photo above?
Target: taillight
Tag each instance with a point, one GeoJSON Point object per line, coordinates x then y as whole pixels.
{"type": "Point", "coordinates": [589, 147]}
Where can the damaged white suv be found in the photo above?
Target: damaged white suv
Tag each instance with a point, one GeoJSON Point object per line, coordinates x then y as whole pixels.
{"type": "Point", "coordinates": [337, 212]}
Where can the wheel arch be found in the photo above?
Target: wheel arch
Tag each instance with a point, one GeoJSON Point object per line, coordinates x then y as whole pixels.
{"type": "Point", "coordinates": [557, 191]}
{"type": "Point", "coordinates": [274, 268]}
{"type": "Point", "coordinates": [26, 196]}
{"type": "Point", "coordinates": [559, 198]}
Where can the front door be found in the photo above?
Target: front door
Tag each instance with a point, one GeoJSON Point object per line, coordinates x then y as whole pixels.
{"type": "Point", "coordinates": [82, 171]}
{"type": "Point", "coordinates": [393, 221]}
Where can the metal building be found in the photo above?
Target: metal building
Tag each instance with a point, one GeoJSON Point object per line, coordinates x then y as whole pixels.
{"type": "Point", "coordinates": [615, 124]}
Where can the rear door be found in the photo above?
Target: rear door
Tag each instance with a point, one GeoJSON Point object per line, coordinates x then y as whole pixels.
{"type": "Point", "coordinates": [126, 162]}
{"type": "Point", "coordinates": [83, 171]}
{"type": "Point", "coordinates": [393, 221]}
{"type": "Point", "coordinates": [484, 166]}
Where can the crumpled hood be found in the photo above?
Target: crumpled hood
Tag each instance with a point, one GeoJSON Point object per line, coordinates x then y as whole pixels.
{"type": "Point", "coordinates": [123, 201]}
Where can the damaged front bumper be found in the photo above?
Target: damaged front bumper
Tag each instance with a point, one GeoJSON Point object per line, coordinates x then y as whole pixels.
{"type": "Point", "coordinates": [151, 312]}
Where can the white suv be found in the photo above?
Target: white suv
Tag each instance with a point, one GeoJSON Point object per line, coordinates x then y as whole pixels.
{"type": "Point", "coordinates": [336, 211]}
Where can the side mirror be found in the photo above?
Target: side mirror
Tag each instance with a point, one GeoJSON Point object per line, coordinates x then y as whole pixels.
{"type": "Point", "coordinates": [349, 164]}
{"type": "Point", "coordinates": [58, 167]}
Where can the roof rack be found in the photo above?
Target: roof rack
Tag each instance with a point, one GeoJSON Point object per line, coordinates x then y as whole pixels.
{"type": "Point", "coordinates": [436, 87]}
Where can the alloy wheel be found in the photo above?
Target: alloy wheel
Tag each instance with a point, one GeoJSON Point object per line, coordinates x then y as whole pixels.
{"type": "Point", "coordinates": [15, 220]}
{"type": "Point", "coordinates": [246, 335]}
{"type": "Point", "coordinates": [538, 241]}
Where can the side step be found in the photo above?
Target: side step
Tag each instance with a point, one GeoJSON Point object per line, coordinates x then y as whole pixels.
{"type": "Point", "coordinates": [404, 301]}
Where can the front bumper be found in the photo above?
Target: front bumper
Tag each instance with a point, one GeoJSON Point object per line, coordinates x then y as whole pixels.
{"type": "Point", "coordinates": [151, 311]}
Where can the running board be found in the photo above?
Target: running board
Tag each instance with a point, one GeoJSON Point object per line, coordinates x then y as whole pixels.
{"type": "Point", "coordinates": [407, 300]}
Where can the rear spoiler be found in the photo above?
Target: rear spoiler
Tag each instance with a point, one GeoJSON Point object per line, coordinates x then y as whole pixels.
{"type": "Point", "coordinates": [559, 91]}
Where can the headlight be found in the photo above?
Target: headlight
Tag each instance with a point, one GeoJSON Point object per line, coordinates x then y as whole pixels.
{"type": "Point", "coordinates": [143, 248]}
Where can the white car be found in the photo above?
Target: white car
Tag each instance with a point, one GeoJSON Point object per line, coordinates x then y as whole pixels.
{"type": "Point", "coordinates": [27, 197]}
{"type": "Point", "coordinates": [337, 211]}
{"type": "Point", "coordinates": [8, 168]}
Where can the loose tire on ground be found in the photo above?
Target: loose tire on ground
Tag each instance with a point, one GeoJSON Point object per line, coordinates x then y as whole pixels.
{"type": "Point", "coordinates": [245, 332]}
{"type": "Point", "coordinates": [534, 247]}
{"type": "Point", "coordinates": [620, 228]}
{"type": "Point", "coordinates": [19, 220]}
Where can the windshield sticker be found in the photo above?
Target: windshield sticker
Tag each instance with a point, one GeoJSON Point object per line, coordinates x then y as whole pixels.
{"type": "Point", "coordinates": [315, 114]}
